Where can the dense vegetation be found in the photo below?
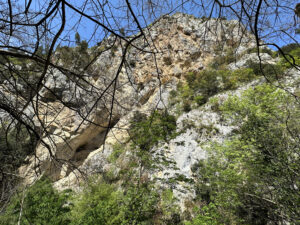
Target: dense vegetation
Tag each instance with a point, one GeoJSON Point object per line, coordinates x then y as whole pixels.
{"type": "Point", "coordinates": [253, 177]}
{"type": "Point", "coordinates": [16, 142]}
{"type": "Point", "coordinates": [199, 87]}
{"type": "Point", "coordinates": [40, 204]}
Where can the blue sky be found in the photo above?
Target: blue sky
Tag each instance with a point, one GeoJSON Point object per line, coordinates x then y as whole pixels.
{"type": "Point", "coordinates": [116, 15]}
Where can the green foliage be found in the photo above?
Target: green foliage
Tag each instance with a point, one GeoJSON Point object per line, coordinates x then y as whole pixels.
{"type": "Point", "coordinates": [292, 59]}
{"type": "Point", "coordinates": [214, 102]}
{"type": "Point", "coordinates": [207, 215]}
{"type": "Point", "coordinates": [118, 149]}
{"type": "Point", "coordinates": [289, 47]}
{"type": "Point", "coordinates": [222, 60]}
{"type": "Point", "coordinates": [261, 50]}
{"type": "Point", "coordinates": [204, 18]}
{"type": "Point", "coordinates": [83, 46]}
{"type": "Point", "coordinates": [148, 132]}
{"type": "Point", "coordinates": [140, 205]}
{"type": "Point", "coordinates": [15, 144]}
{"type": "Point", "coordinates": [75, 58]}
{"type": "Point", "coordinates": [99, 204]}
{"type": "Point", "coordinates": [250, 179]}
{"type": "Point", "coordinates": [41, 205]}
{"type": "Point", "coordinates": [66, 55]}
{"type": "Point", "coordinates": [103, 203]}
{"type": "Point", "coordinates": [201, 86]}
{"type": "Point", "coordinates": [41, 52]}
{"type": "Point", "coordinates": [25, 72]}
{"type": "Point", "coordinates": [122, 31]}
{"type": "Point", "coordinates": [168, 208]}
{"type": "Point", "coordinates": [270, 71]}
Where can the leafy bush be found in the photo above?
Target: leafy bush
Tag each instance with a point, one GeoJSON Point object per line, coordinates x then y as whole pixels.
{"type": "Point", "coordinates": [103, 203]}
{"type": "Point", "coordinates": [223, 60]}
{"type": "Point", "coordinates": [289, 47]}
{"type": "Point", "coordinates": [207, 215]}
{"type": "Point", "coordinates": [140, 205]}
{"type": "Point", "coordinates": [15, 144]}
{"type": "Point", "coordinates": [118, 149]}
{"type": "Point", "coordinates": [168, 208]}
{"type": "Point", "coordinates": [41, 205]}
{"type": "Point", "coordinates": [147, 132]}
{"type": "Point", "coordinates": [270, 71]}
{"type": "Point", "coordinates": [261, 50]}
{"type": "Point", "coordinates": [200, 86]}
{"type": "Point", "coordinates": [246, 180]}
{"type": "Point", "coordinates": [75, 58]}
{"type": "Point", "coordinates": [293, 57]}
{"type": "Point", "coordinates": [138, 202]}
{"type": "Point", "coordinates": [99, 204]}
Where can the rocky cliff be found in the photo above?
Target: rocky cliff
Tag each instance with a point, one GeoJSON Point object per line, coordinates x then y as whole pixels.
{"type": "Point", "coordinates": [87, 120]}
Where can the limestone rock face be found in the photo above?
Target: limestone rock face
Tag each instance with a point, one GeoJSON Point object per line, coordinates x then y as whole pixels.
{"type": "Point", "coordinates": [242, 63]}
{"type": "Point", "coordinates": [85, 115]}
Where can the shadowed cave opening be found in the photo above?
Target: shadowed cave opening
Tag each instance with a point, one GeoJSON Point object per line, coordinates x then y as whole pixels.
{"type": "Point", "coordinates": [89, 146]}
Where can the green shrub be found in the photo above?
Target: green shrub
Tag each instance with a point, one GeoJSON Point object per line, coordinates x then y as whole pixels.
{"type": "Point", "coordinates": [245, 180]}
{"type": "Point", "coordinates": [293, 58]}
{"type": "Point", "coordinates": [99, 204]}
{"type": "Point", "coordinates": [102, 203]}
{"type": "Point", "coordinates": [214, 102]}
{"type": "Point", "coordinates": [200, 100]}
{"type": "Point", "coordinates": [16, 143]}
{"type": "Point", "coordinates": [206, 82]}
{"type": "Point", "coordinates": [140, 205]}
{"type": "Point", "coordinates": [201, 86]}
{"type": "Point", "coordinates": [169, 209]}
{"type": "Point", "coordinates": [270, 71]}
{"type": "Point", "coordinates": [41, 205]}
{"type": "Point", "coordinates": [83, 46]}
{"type": "Point", "coordinates": [289, 47]}
{"type": "Point", "coordinates": [256, 158]}
{"type": "Point", "coordinates": [222, 60]}
{"type": "Point", "coordinates": [66, 55]}
{"type": "Point", "coordinates": [207, 215]}
{"type": "Point", "coordinates": [75, 58]}
{"type": "Point", "coordinates": [261, 50]}
{"type": "Point", "coordinates": [147, 132]}
{"type": "Point", "coordinates": [118, 149]}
